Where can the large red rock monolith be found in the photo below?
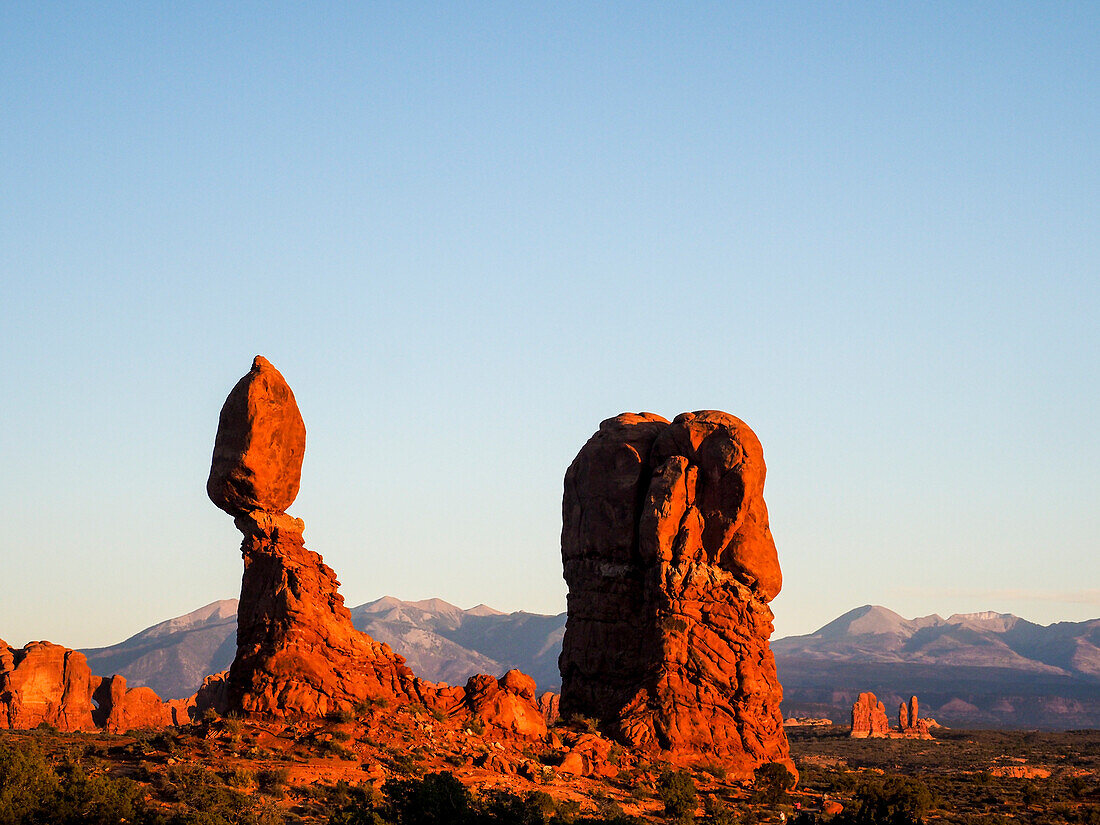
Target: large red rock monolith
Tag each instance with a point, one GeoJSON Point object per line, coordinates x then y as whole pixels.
{"type": "Point", "coordinates": [670, 564]}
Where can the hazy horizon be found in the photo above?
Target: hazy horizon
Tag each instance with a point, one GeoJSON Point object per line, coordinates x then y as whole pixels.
{"type": "Point", "coordinates": [468, 235]}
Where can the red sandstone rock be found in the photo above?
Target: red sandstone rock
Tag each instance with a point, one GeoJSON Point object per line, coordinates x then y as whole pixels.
{"type": "Point", "coordinates": [48, 683]}
{"type": "Point", "coordinates": [508, 703]}
{"type": "Point", "coordinates": [298, 654]}
{"type": "Point", "coordinates": [257, 462]}
{"type": "Point", "coordinates": [869, 720]}
{"type": "Point", "coordinates": [121, 709]}
{"type": "Point", "coordinates": [550, 705]}
{"type": "Point", "coordinates": [869, 717]}
{"type": "Point", "coordinates": [670, 564]}
{"type": "Point", "coordinates": [589, 757]}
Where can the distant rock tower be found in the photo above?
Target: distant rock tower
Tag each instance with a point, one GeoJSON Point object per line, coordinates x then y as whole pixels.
{"type": "Point", "coordinates": [670, 564]}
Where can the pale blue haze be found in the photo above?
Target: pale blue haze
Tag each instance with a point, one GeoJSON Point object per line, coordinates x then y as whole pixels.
{"type": "Point", "coordinates": [466, 234]}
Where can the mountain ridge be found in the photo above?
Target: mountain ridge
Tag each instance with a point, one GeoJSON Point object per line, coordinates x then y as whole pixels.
{"type": "Point", "coordinates": [971, 669]}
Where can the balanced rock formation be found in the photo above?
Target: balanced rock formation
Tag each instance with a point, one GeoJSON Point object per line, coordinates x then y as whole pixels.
{"type": "Point", "coordinates": [44, 683]}
{"type": "Point", "coordinates": [670, 564]}
{"type": "Point", "coordinates": [298, 653]}
{"type": "Point", "coordinates": [869, 720]}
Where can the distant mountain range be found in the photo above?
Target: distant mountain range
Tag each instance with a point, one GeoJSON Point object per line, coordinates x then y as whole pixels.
{"type": "Point", "coordinates": [440, 642]}
{"type": "Point", "coordinates": [969, 670]}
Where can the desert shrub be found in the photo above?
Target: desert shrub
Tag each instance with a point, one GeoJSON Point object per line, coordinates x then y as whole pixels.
{"type": "Point", "coordinates": [676, 789]}
{"type": "Point", "coordinates": [437, 799]}
{"type": "Point", "coordinates": [475, 725]}
{"type": "Point", "coordinates": [238, 777]}
{"type": "Point", "coordinates": [536, 808]}
{"type": "Point", "coordinates": [205, 800]}
{"type": "Point", "coordinates": [896, 800]}
{"type": "Point", "coordinates": [585, 723]}
{"type": "Point", "coordinates": [771, 783]}
{"type": "Point", "coordinates": [272, 780]}
{"type": "Point", "coordinates": [32, 792]}
{"type": "Point", "coordinates": [340, 717]}
{"type": "Point", "coordinates": [716, 812]}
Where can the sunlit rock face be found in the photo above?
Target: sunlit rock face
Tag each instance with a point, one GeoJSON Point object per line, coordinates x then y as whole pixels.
{"type": "Point", "coordinates": [298, 654]}
{"type": "Point", "coordinates": [47, 684]}
{"type": "Point", "coordinates": [257, 462]}
{"type": "Point", "coordinates": [670, 564]}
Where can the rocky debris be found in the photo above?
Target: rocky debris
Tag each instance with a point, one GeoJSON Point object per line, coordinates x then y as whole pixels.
{"type": "Point", "coordinates": [1020, 772]}
{"type": "Point", "coordinates": [869, 720]}
{"type": "Point", "coordinates": [257, 462]}
{"type": "Point", "coordinates": [590, 755]}
{"type": "Point", "coordinates": [298, 653]}
{"type": "Point", "coordinates": [49, 684]}
{"type": "Point", "coordinates": [670, 564]}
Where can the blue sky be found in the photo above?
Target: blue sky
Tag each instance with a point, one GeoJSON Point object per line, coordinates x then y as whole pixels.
{"type": "Point", "coordinates": [468, 234]}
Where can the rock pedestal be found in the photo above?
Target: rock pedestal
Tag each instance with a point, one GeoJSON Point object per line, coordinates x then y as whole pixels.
{"type": "Point", "coordinates": [298, 653]}
{"type": "Point", "coordinates": [670, 564]}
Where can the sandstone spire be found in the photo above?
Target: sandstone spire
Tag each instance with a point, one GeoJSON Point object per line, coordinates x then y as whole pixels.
{"type": "Point", "coordinates": [670, 563]}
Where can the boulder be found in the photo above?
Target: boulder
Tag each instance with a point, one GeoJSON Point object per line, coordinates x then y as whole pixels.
{"type": "Point", "coordinates": [507, 703]}
{"type": "Point", "coordinates": [261, 440]}
{"type": "Point", "coordinates": [670, 564]}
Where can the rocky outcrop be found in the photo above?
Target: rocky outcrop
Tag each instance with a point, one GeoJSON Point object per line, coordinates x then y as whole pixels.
{"type": "Point", "coordinates": [670, 564]}
{"type": "Point", "coordinates": [298, 653]}
{"type": "Point", "coordinates": [507, 703]}
{"type": "Point", "coordinates": [869, 717]}
{"type": "Point", "coordinates": [121, 709]}
{"type": "Point", "coordinates": [550, 705]}
{"type": "Point", "coordinates": [869, 720]}
{"type": "Point", "coordinates": [49, 684]}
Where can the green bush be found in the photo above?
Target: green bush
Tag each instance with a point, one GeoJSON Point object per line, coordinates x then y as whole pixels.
{"type": "Point", "coordinates": [896, 800]}
{"type": "Point", "coordinates": [32, 792]}
{"type": "Point", "coordinates": [771, 783]}
{"type": "Point", "coordinates": [676, 789]}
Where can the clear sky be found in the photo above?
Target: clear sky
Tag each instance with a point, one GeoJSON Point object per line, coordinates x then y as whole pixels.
{"type": "Point", "coordinates": [467, 234]}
